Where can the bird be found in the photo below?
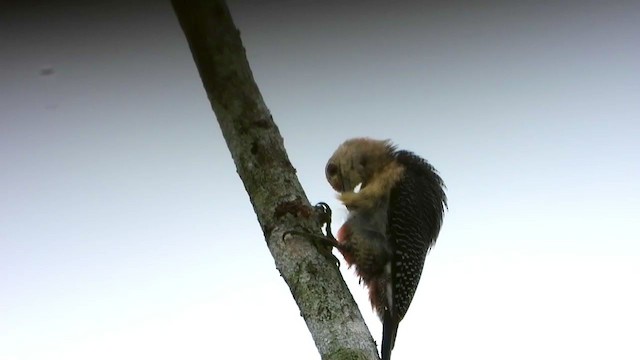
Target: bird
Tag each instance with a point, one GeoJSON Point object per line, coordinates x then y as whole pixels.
{"type": "Point", "coordinates": [396, 202]}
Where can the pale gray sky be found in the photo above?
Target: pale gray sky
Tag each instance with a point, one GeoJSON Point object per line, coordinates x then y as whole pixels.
{"type": "Point", "coordinates": [126, 233]}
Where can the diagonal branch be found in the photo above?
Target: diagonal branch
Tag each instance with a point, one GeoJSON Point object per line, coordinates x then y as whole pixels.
{"type": "Point", "coordinates": [279, 201]}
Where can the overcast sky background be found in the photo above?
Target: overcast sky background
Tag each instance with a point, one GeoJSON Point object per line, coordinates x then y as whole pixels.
{"type": "Point", "coordinates": [126, 233]}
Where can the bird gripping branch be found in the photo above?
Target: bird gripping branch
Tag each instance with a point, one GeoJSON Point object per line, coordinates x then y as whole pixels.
{"type": "Point", "coordinates": [394, 219]}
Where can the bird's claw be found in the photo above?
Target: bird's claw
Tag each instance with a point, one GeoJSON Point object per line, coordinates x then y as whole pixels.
{"type": "Point", "coordinates": [324, 243]}
{"type": "Point", "coordinates": [323, 212]}
{"type": "Point", "coordinates": [328, 254]}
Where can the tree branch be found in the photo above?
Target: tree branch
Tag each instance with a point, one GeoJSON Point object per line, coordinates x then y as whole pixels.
{"type": "Point", "coordinates": [279, 201]}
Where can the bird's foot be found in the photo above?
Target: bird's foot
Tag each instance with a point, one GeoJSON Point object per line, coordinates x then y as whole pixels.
{"type": "Point", "coordinates": [324, 243]}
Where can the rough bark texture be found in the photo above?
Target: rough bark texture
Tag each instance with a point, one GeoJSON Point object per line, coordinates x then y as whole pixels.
{"type": "Point", "coordinates": [279, 201]}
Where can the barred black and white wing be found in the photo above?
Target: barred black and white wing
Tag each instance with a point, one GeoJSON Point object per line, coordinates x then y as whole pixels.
{"type": "Point", "coordinates": [416, 207]}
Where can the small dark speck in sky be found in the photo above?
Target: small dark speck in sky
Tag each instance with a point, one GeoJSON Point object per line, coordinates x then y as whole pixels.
{"type": "Point", "coordinates": [47, 71]}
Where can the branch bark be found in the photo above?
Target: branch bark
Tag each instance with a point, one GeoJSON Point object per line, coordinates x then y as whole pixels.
{"type": "Point", "coordinates": [257, 148]}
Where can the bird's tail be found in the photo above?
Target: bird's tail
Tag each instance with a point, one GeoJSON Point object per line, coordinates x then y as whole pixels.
{"type": "Point", "coordinates": [389, 330]}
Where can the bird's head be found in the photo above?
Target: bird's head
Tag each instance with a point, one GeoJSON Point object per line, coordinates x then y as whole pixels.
{"type": "Point", "coordinates": [356, 161]}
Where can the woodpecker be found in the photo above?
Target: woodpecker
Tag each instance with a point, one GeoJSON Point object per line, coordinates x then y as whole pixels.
{"type": "Point", "coordinates": [394, 219]}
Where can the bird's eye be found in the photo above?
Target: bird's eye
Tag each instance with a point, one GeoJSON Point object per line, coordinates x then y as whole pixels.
{"type": "Point", "coordinates": [364, 161]}
{"type": "Point", "coordinates": [332, 169]}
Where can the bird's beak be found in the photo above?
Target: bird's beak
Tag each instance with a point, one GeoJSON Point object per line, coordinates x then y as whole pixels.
{"type": "Point", "coordinates": [357, 188]}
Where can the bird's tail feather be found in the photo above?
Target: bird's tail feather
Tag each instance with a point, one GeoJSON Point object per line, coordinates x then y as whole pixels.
{"type": "Point", "coordinates": [389, 330]}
